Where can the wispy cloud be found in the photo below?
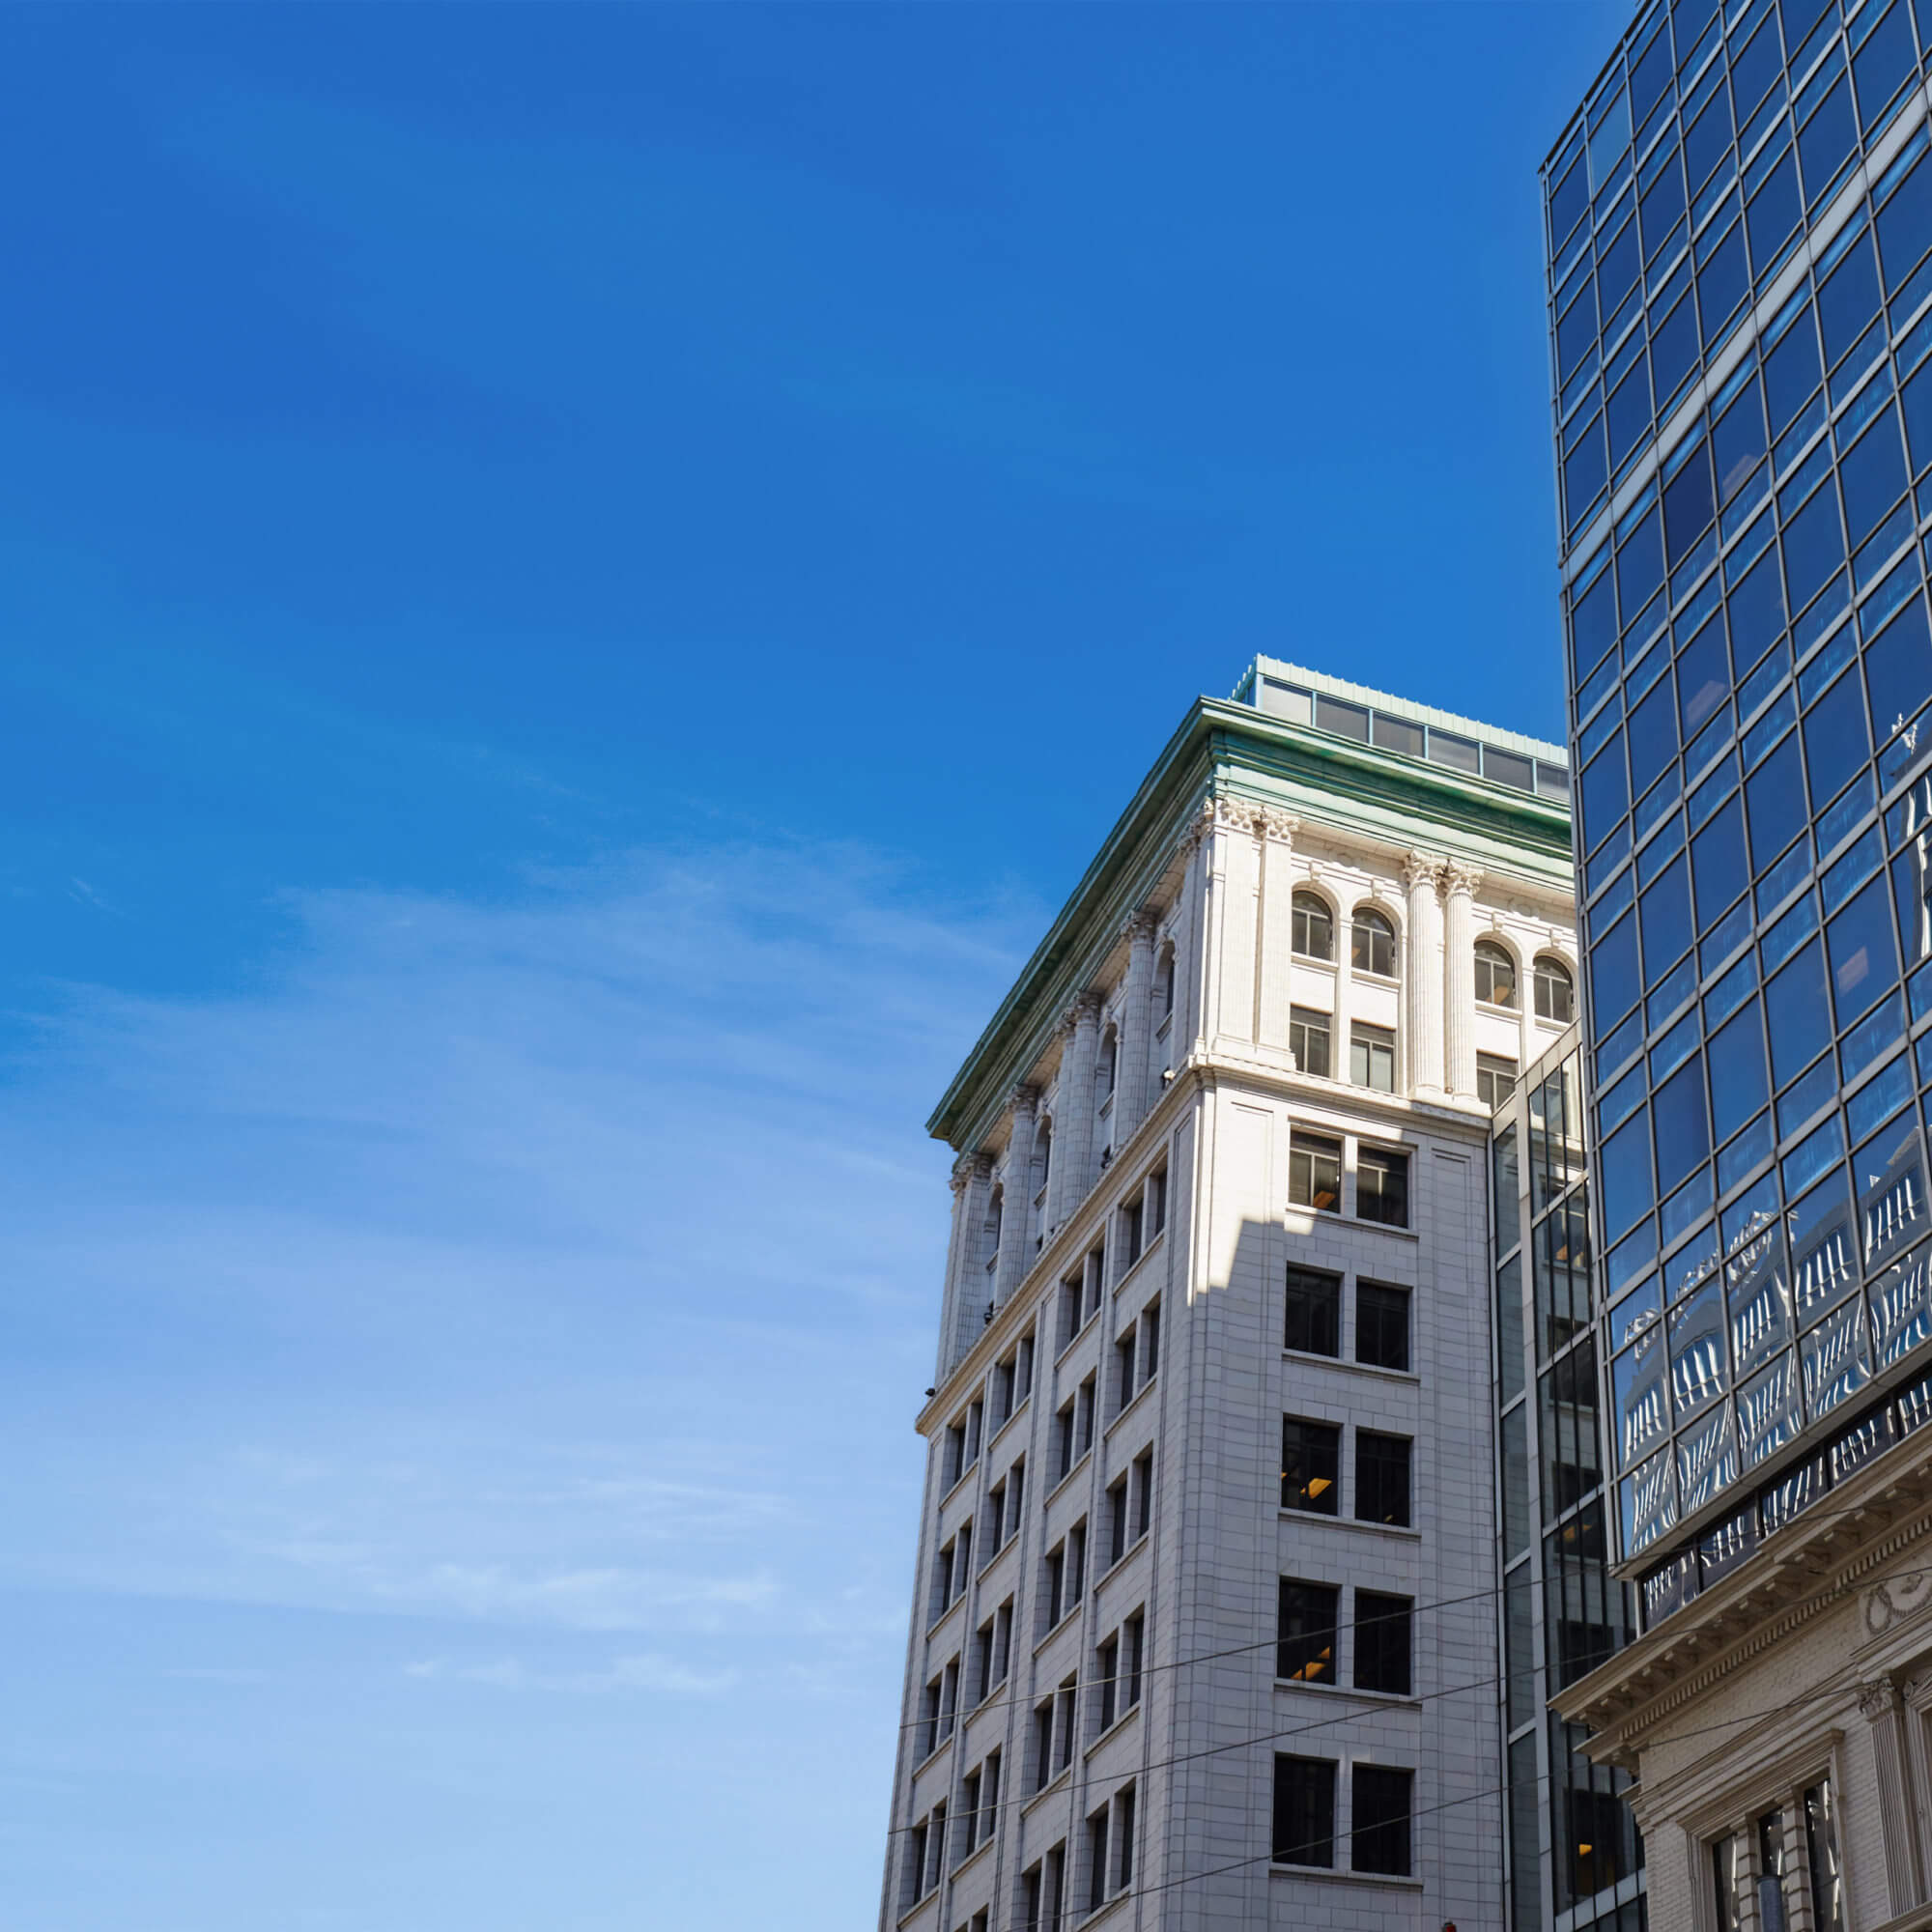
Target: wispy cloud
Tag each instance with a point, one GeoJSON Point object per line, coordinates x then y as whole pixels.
{"type": "Point", "coordinates": [646, 1673]}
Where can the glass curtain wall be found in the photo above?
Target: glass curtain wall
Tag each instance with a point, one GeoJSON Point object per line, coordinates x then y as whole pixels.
{"type": "Point", "coordinates": [1573, 1846]}
{"type": "Point", "coordinates": [1739, 257]}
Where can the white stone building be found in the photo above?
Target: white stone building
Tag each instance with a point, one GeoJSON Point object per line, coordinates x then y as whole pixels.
{"type": "Point", "coordinates": [1205, 1624]}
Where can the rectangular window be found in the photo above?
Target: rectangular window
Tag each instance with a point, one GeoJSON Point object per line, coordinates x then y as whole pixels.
{"type": "Point", "coordinates": [1066, 1434]}
{"type": "Point", "coordinates": [1728, 1881]}
{"type": "Point", "coordinates": [1024, 1378]}
{"type": "Point", "coordinates": [976, 1422]}
{"type": "Point", "coordinates": [956, 1451]}
{"type": "Point", "coordinates": [1042, 1745]}
{"type": "Point", "coordinates": [1076, 1563]}
{"type": "Point", "coordinates": [1002, 1641]}
{"type": "Point", "coordinates": [1133, 1645]}
{"type": "Point", "coordinates": [1381, 1186]}
{"type": "Point", "coordinates": [1381, 1324]}
{"type": "Point", "coordinates": [1495, 1079]}
{"type": "Point", "coordinates": [1308, 1041]}
{"type": "Point", "coordinates": [1156, 1202]}
{"type": "Point", "coordinates": [929, 1718]}
{"type": "Point", "coordinates": [1382, 1642]}
{"type": "Point", "coordinates": [1118, 1521]}
{"type": "Point", "coordinates": [1150, 1341]}
{"type": "Point", "coordinates": [1107, 1679]}
{"type": "Point", "coordinates": [1311, 1465]}
{"type": "Point", "coordinates": [1004, 1390]}
{"type": "Point", "coordinates": [1072, 1295]}
{"type": "Point", "coordinates": [948, 1699]}
{"type": "Point", "coordinates": [1125, 1349]}
{"type": "Point", "coordinates": [1315, 1172]}
{"type": "Point", "coordinates": [1096, 1860]}
{"type": "Point", "coordinates": [983, 1662]}
{"type": "Point", "coordinates": [996, 1512]}
{"type": "Point", "coordinates": [912, 1882]}
{"type": "Point", "coordinates": [1133, 1218]}
{"type": "Point", "coordinates": [1084, 1405]}
{"type": "Point", "coordinates": [1305, 1811]}
{"type": "Point", "coordinates": [1095, 1277]}
{"type": "Point", "coordinates": [1821, 1858]}
{"type": "Point", "coordinates": [1381, 1477]}
{"type": "Point", "coordinates": [1062, 1724]}
{"type": "Point", "coordinates": [969, 1817]}
{"type": "Point", "coordinates": [1055, 1579]}
{"type": "Point", "coordinates": [1305, 1632]}
{"type": "Point", "coordinates": [1314, 1323]}
{"type": "Point", "coordinates": [1143, 1494]}
{"type": "Point", "coordinates": [1380, 1840]}
{"type": "Point", "coordinates": [1124, 1838]}
{"type": "Point", "coordinates": [1372, 1057]}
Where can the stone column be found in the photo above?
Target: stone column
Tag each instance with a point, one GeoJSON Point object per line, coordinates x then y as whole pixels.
{"type": "Point", "coordinates": [1881, 1708]}
{"type": "Point", "coordinates": [1277, 928]}
{"type": "Point", "coordinates": [1341, 1014]}
{"type": "Point", "coordinates": [1016, 1211]}
{"type": "Point", "coordinates": [1131, 1087]}
{"type": "Point", "coordinates": [1459, 976]}
{"type": "Point", "coordinates": [1190, 942]}
{"type": "Point", "coordinates": [1072, 1171]}
{"type": "Point", "coordinates": [1422, 974]}
{"type": "Point", "coordinates": [966, 1278]}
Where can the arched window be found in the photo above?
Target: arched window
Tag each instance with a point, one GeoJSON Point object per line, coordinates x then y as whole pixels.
{"type": "Point", "coordinates": [1314, 926]}
{"type": "Point", "coordinates": [1372, 943]}
{"type": "Point", "coordinates": [1496, 974]}
{"type": "Point", "coordinates": [1555, 990]}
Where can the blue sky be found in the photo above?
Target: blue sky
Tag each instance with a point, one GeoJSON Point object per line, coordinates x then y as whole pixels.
{"type": "Point", "coordinates": [577, 584]}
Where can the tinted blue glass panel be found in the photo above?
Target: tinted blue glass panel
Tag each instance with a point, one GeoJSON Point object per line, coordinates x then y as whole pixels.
{"type": "Point", "coordinates": [1775, 800]}
{"type": "Point", "coordinates": [1703, 676]}
{"type": "Point", "coordinates": [1864, 960]}
{"type": "Point", "coordinates": [1653, 735]}
{"type": "Point", "coordinates": [1576, 331]}
{"type": "Point", "coordinates": [1797, 1013]}
{"type": "Point", "coordinates": [1650, 76]}
{"type": "Point", "coordinates": [1916, 399]}
{"type": "Point", "coordinates": [1828, 138]}
{"type": "Point", "coordinates": [1568, 200]}
{"type": "Point", "coordinates": [1605, 793]}
{"type": "Point", "coordinates": [1682, 1124]}
{"type": "Point", "coordinates": [1593, 626]}
{"type": "Point", "coordinates": [1718, 866]}
{"type": "Point", "coordinates": [1773, 212]}
{"type": "Point", "coordinates": [1629, 413]}
{"type": "Point", "coordinates": [1755, 66]}
{"type": "Point", "coordinates": [1836, 741]}
{"type": "Point", "coordinates": [1665, 911]}
{"type": "Point", "coordinates": [1613, 974]}
{"type": "Point", "coordinates": [1814, 546]}
{"type": "Point", "coordinates": [1898, 670]}
{"type": "Point", "coordinates": [1690, 503]}
{"type": "Point", "coordinates": [1708, 139]}
{"type": "Point", "coordinates": [1640, 564]}
{"type": "Point", "coordinates": [1740, 1084]}
{"type": "Point", "coordinates": [1792, 371]}
{"type": "Point", "coordinates": [1882, 63]}
{"type": "Point", "coordinates": [1848, 300]}
{"type": "Point", "coordinates": [1617, 265]}
{"type": "Point", "coordinates": [1757, 609]}
{"type": "Point", "coordinates": [1905, 225]}
{"type": "Point", "coordinates": [1661, 207]}
{"type": "Point", "coordinates": [1738, 441]}
{"type": "Point", "coordinates": [1626, 1184]}
{"type": "Point", "coordinates": [1673, 348]}
{"type": "Point", "coordinates": [1585, 474]}
{"type": "Point", "coordinates": [1873, 475]}
{"type": "Point", "coordinates": [1722, 283]}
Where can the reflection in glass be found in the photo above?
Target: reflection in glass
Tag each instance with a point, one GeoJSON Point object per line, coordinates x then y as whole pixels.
{"type": "Point", "coordinates": [1768, 1416]}
{"type": "Point", "coordinates": [1649, 1498]}
{"type": "Point", "coordinates": [1707, 1459]}
{"type": "Point", "coordinates": [1902, 1309]}
{"type": "Point", "coordinates": [1890, 1180]}
{"type": "Point", "coordinates": [1698, 1369]}
{"type": "Point", "coordinates": [1758, 1299]}
{"type": "Point", "coordinates": [1823, 1262]}
{"type": "Point", "coordinates": [1837, 1360]}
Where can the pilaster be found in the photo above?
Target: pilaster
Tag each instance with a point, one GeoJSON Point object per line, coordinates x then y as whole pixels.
{"type": "Point", "coordinates": [1422, 974]}
{"type": "Point", "coordinates": [1272, 982]}
{"type": "Point", "coordinates": [1072, 1172]}
{"type": "Point", "coordinates": [1016, 1210]}
{"type": "Point", "coordinates": [1130, 1094]}
{"type": "Point", "coordinates": [966, 1280]}
{"type": "Point", "coordinates": [1883, 1710]}
{"type": "Point", "coordinates": [1459, 976]}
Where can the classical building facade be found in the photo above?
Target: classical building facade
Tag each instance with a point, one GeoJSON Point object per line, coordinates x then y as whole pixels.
{"type": "Point", "coordinates": [1203, 1613]}
{"type": "Point", "coordinates": [1740, 276]}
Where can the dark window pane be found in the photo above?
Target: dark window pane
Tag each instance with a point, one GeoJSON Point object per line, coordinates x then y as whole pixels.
{"type": "Point", "coordinates": [1836, 742]}
{"type": "Point", "coordinates": [1640, 566]}
{"type": "Point", "coordinates": [1797, 1013]}
{"type": "Point", "coordinates": [1666, 913]}
{"type": "Point", "coordinates": [1606, 792]}
{"type": "Point", "coordinates": [1898, 670]}
{"type": "Point", "coordinates": [1305, 1628]}
{"type": "Point", "coordinates": [1873, 475]}
{"type": "Point", "coordinates": [1790, 373]}
{"type": "Point", "coordinates": [1585, 474]}
{"type": "Point", "coordinates": [1708, 139]}
{"type": "Point", "coordinates": [1773, 212]}
{"type": "Point", "coordinates": [1718, 871]}
{"type": "Point", "coordinates": [1865, 959]}
{"type": "Point", "coordinates": [1689, 502]}
{"type": "Point", "coordinates": [1314, 1312]}
{"type": "Point", "coordinates": [1593, 625]}
{"type": "Point", "coordinates": [1757, 613]}
{"type": "Point", "coordinates": [1739, 1084]}
{"type": "Point", "coordinates": [1347, 721]}
{"type": "Point", "coordinates": [1904, 225]}
{"type": "Point", "coordinates": [1722, 283]}
{"type": "Point", "coordinates": [1568, 200]}
{"type": "Point", "coordinates": [1673, 349]}
{"type": "Point", "coordinates": [1814, 546]}
{"type": "Point", "coordinates": [1882, 63]}
{"type": "Point", "coordinates": [1617, 265]}
{"type": "Point", "coordinates": [1661, 207]}
{"type": "Point", "coordinates": [1650, 76]}
{"type": "Point", "coordinates": [1703, 676]}
{"type": "Point", "coordinates": [1311, 1467]}
{"type": "Point", "coordinates": [1775, 797]}
{"type": "Point", "coordinates": [1653, 735]}
{"type": "Point", "coordinates": [1754, 66]}
{"type": "Point", "coordinates": [1381, 1477]}
{"type": "Point", "coordinates": [1682, 1124]}
{"type": "Point", "coordinates": [1626, 1176]}
{"type": "Point", "coordinates": [1379, 1841]}
{"type": "Point", "coordinates": [1382, 1326]}
{"type": "Point", "coordinates": [1848, 300]}
{"type": "Point", "coordinates": [1305, 1811]}
{"type": "Point", "coordinates": [1828, 137]}
{"type": "Point", "coordinates": [1916, 400]}
{"type": "Point", "coordinates": [1738, 440]}
{"type": "Point", "coordinates": [1613, 974]}
{"type": "Point", "coordinates": [1575, 329]}
{"type": "Point", "coordinates": [1630, 412]}
{"type": "Point", "coordinates": [1382, 1642]}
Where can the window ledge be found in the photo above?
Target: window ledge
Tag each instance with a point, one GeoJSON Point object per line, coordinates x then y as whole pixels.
{"type": "Point", "coordinates": [1403, 1376]}
{"type": "Point", "coordinates": [980, 1575]}
{"type": "Point", "coordinates": [958, 1482]}
{"type": "Point", "coordinates": [1146, 1255]}
{"type": "Point", "coordinates": [1113, 1729]}
{"type": "Point", "coordinates": [1134, 1401]}
{"type": "Point", "coordinates": [1330, 1875]}
{"type": "Point", "coordinates": [937, 1753]}
{"type": "Point", "coordinates": [913, 1911]}
{"type": "Point", "coordinates": [1403, 1534]}
{"type": "Point", "coordinates": [1084, 1456]}
{"type": "Point", "coordinates": [1400, 1700]}
{"type": "Point", "coordinates": [941, 1618]}
{"type": "Point", "coordinates": [1106, 1911]}
{"type": "Point", "coordinates": [1382, 1226]}
{"type": "Point", "coordinates": [1060, 1777]}
{"type": "Point", "coordinates": [1019, 1409]}
{"type": "Point", "coordinates": [1499, 1007]}
{"type": "Point", "coordinates": [1073, 1340]}
{"type": "Point", "coordinates": [1067, 1616]}
{"type": "Point", "coordinates": [974, 1857]}
{"type": "Point", "coordinates": [1379, 979]}
{"type": "Point", "coordinates": [1113, 1570]}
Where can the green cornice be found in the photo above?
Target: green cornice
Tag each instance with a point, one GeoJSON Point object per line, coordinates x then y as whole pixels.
{"type": "Point", "coordinates": [1233, 749]}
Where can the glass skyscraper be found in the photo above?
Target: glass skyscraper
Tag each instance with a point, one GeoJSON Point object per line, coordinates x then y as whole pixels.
{"type": "Point", "coordinates": [1740, 280]}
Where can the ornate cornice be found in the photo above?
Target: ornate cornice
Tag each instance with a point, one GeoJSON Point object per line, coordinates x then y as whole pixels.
{"type": "Point", "coordinates": [1278, 825]}
{"type": "Point", "coordinates": [968, 1168]}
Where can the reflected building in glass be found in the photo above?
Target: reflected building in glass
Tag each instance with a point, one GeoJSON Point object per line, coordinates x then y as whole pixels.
{"type": "Point", "coordinates": [1740, 282]}
{"type": "Point", "coordinates": [1573, 1848]}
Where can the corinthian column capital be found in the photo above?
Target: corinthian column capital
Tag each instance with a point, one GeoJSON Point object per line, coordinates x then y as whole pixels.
{"type": "Point", "coordinates": [1421, 869]}
{"type": "Point", "coordinates": [1460, 877]}
{"type": "Point", "coordinates": [1278, 825]}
